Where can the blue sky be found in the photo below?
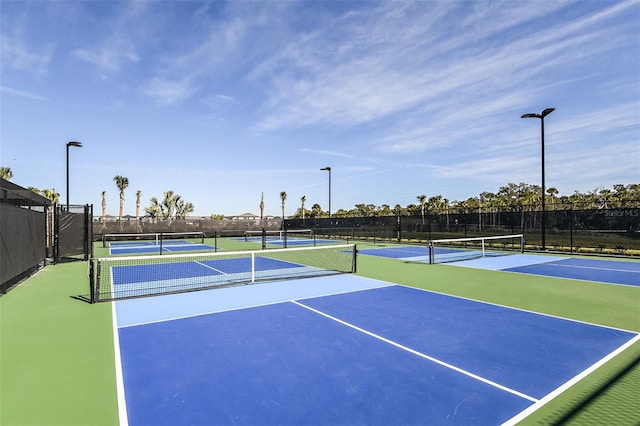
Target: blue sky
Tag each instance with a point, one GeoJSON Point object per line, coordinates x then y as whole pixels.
{"type": "Point", "coordinates": [223, 101]}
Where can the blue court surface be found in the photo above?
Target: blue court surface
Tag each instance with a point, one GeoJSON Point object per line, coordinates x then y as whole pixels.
{"type": "Point", "coordinates": [151, 247]}
{"type": "Point", "coordinates": [605, 271]}
{"type": "Point", "coordinates": [597, 270]}
{"type": "Point", "coordinates": [400, 252]}
{"type": "Point", "coordinates": [292, 241]}
{"type": "Point", "coordinates": [343, 350]}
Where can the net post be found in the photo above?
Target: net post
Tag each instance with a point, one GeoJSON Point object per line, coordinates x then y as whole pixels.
{"type": "Point", "coordinates": [253, 266]}
{"type": "Point", "coordinates": [215, 241]}
{"type": "Point", "coordinates": [354, 267]}
{"type": "Point", "coordinates": [284, 238]}
{"type": "Point", "coordinates": [522, 243]}
{"type": "Point", "coordinates": [431, 253]}
{"type": "Point", "coordinates": [104, 240]}
{"type": "Point", "coordinates": [92, 289]}
{"type": "Point", "coordinates": [161, 241]}
{"type": "Point", "coordinates": [96, 292]}
{"type": "Point", "coordinates": [264, 239]}
{"type": "Point", "coordinates": [483, 252]}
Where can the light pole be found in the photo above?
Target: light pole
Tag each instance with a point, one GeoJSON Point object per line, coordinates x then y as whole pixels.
{"type": "Point", "coordinates": [329, 170]}
{"type": "Point", "coordinates": [76, 144]}
{"type": "Point", "coordinates": [541, 116]}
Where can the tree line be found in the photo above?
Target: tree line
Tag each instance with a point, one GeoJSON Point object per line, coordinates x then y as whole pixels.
{"type": "Point", "coordinates": [520, 197]}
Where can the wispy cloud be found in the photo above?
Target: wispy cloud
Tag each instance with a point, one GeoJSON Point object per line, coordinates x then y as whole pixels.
{"type": "Point", "coordinates": [23, 93]}
{"type": "Point", "coordinates": [16, 53]}
{"type": "Point", "coordinates": [166, 91]}
{"type": "Point", "coordinates": [326, 153]}
{"type": "Point", "coordinates": [118, 48]}
{"type": "Point", "coordinates": [109, 57]}
{"type": "Point", "coordinates": [396, 74]}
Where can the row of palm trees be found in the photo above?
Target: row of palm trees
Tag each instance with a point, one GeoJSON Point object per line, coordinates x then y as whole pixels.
{"type": "Point", "coordinates": [520, 197]}
{"type": "Point", "coordinates": [170, 208]}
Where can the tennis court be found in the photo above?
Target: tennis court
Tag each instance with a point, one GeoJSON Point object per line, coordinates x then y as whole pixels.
{"type": "Point", "coordinates": [291, 242]}
{"type": "Point", "coordinates": [401, 252]}
{"type": "Point", "coordinates": [343, 350]}
{"type": "Point", "coordinates": [401, 342]}
{"type": "Point", "coordinates": [148, 247]}
{"type": "Point", "coordinates": [598, 270]}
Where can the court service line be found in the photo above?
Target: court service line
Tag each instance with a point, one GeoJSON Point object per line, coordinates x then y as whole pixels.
{"type": "Point", "coordinates": [211, 267]}
{"type": "Point", "coordinates": [560, 265]}
{"type": "Point", "coordinates": [420, 354]}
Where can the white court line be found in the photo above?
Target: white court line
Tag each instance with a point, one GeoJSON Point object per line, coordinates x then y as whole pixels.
{"type": "Point", "coordinates": [122, 403]}
{"type": "Point", "coordinates": [539, 404]}
{"type": "Point", "coordinates": [210, 267]}
{"type": "Point", "coordinates": [420, 354]}
{"type": "Point", "coordinates": [560, 265]}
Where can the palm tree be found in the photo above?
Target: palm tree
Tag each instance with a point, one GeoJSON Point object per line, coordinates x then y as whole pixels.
{"type": "Point", "coordinates": [122, 183]}
{"type": "Point", "coordinates": [283, 196]}
{"type": "Point", "coordinates": [183, 208]}
{"type": "Point", "coordinates": [604, 195]}
{"type": "Point", "coordinates": [169, 205]}
{"type": "Point", "coordinates": [303, 199]}
{"type": "Point", "coordinates": [316, 210]}
{"type": "Point", "coordinates": [51, 194]}
{"type": "Point", "coordinates": [138, 193]}
{"type": "Point", "coordinates": [552, 193]}
{"type": "Point", "coordinates": [104, 207]}
{"type": "Point", "coordinates": [6, 173]}
{"type": "Point", "coordinates": [154, 210]}
{"type": "Point", "coordinates": [422, 198]}
{"type": "Point", "coordinates": [261, 207]}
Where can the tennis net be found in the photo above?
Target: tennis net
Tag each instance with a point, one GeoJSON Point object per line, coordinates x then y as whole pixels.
{"type": "Point", "coordinates": [457, 249]}
{"type": "Point", "coordinates": [137, 276]}
{"type": "Point", "coordinates": [278, 235]}
{"type": "Point", "coordinates": [150, 238]}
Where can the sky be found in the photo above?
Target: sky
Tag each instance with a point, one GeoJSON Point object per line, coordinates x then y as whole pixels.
{"type": "Point", "coordinates": [222, 102]}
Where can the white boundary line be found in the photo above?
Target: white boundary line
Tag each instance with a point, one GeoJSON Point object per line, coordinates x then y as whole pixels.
{"type": "Point", "coordinates": [593, 267]}
{"type": "Point", "coordinates": [122, 402]}
{"type": "Point", "coordinates": [420, 354]}
{"type": "Point", "coordinates": [237, 308]}
{"type": "Point", "coordinates": [513, 307]}
{"type": "Point", "coordinates": [531, 274]}
{"type": "Point", "coordinates": [550, 396]}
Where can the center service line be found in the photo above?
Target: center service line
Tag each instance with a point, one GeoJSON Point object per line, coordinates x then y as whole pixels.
{"type": "Point", "coordinates": [427, 357]}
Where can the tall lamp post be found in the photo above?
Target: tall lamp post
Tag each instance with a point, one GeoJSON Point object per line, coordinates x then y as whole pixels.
{"type": "Point", "coordinates": [329, 170]}
{"type": "Point", "coordinates": [78, 145]}
{"type": "Point", "coordinates": [541, 116]}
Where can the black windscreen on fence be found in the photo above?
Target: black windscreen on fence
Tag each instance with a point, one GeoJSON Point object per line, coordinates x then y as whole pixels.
{"type": "Point", "coordinates": [73, 229]}
{"type": "Point", "coordinates": [22, 241]}
{"type": "Point", "coordinates": [607, 231]}
{"type": "Point", "coordinates": [22, 233]}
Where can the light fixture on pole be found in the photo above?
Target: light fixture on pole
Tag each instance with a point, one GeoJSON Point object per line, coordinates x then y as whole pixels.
{"type": "Point", "coordinates": [78, 145]}
{"type": "Point", "coordinates": [541, 116]}
{"type": "Point", "coordinates": [329, 170]}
